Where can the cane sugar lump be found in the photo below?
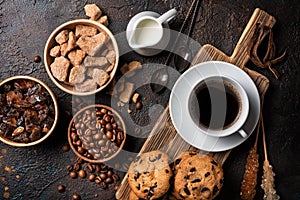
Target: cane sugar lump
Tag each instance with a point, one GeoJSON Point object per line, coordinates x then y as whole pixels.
{"type": "Point", "coordinates": [92, 11]}
{"type": "Point", "coordinates": [60, 68]}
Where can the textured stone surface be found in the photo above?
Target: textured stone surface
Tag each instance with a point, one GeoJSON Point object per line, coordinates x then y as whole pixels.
{"type": "Point", "coordinates": [24, 28]}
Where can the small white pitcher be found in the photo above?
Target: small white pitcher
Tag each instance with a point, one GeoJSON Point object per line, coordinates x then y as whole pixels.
{"type": "Point", "coordinates": [148, 30]}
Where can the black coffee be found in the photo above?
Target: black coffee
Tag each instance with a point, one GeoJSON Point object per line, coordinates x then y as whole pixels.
{"type": "Point", "coordinates": [218, 105]}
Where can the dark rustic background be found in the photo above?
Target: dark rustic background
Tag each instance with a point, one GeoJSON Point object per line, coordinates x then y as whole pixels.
{"type": "Point", "coordinates": [25, 26]}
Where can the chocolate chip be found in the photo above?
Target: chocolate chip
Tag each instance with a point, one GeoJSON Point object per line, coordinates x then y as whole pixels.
{"type": "Point", "coordinates": [146, 191]}
{"type": "Point", "coordinates": [204, 189]}
{"type": "Point", "coordinates": [193, 169]}
{"type": "Point", "coordinates": [76, 197]}
{"type": "Point", "coordinates": [136, 176]}
{"type": "Point", "coordinates": [138, 187]}
{"type": "Point", "coordinates": [167, 171]}
{"type": "Point", "coordinates": [215, 190]}
{"type": "Point", "coordinates": [186, 190]}
{"type": "Point", "coordinates": [138, 105]}
{"type": "Point", "coordinates": [214, 162]}
{"type": "Point", "coordinates": [221, 181]}
{"type": "Point", "coordinates": [186, 177]}
{"type": "Point", "coordinates": [73, 174]}
{"type": "Point", "coordinates": [65, 148]}
{"type": "Point", "coordinates": [177, 161]}
{"type": "Point", "coordinates": [196, 180]}
{"type": "Point", "coordinates": [194, 188]}
{"type": "Point", "coordinates": [207, 174]}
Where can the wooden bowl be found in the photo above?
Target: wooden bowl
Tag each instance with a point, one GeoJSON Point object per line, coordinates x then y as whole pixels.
{"type": "Point", "coordinates": [17, 144]}
{"type": "Point", "coordinates": [80, 115]}
{"type": "Point", "coordinates": [70, 25]}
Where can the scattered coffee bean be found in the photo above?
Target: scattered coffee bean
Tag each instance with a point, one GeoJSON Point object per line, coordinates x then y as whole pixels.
{"type": "Point", "coordinates": [109, 180]}
{"type": "Point", "coordinates": [115, 177]}
{"type": "Point", "coordinates": [76, 197]}
{"type": "Point", "coordinates": [116, 187]}
{"type": "Point", "coordinates": [76, 167]}
{"type": "Point", "coordinates": [73, 174]}
{"type": "Point", "coordinates": [103, 176]}
{"type": "Point", "coordinates": [37, 59]}
{"type": "Point", "coordinates": [138, 106]}
{"type": "Point", "coordinates": [69, 168]}
{"type": "Point", "coordinates": [89, 168]}
{"type": "Point", "coordinates": [97, 180]}
{"type": "Point", "coordinates": [65, 147]}
{"type": "Point", "coordinates": [79, 160]}
{"type": "Point", "coordinates": [92, 177]}
{"type": "Point", "coordinates": [81, 173]}
{"type": "Point", "coordinates": [103, 185]}
{"type": "Point", "coordinates": [60, 188]}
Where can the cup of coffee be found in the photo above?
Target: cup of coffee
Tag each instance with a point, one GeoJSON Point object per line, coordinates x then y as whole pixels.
{"type": "Point", "coordinates": [219, 106]}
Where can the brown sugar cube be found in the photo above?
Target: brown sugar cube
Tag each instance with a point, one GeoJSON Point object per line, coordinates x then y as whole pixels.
{"type": "Point", "coordinates": [71, 41]}
{"type": "Point", "coordinates": [76, 57]}
{"type": "Point", "coordinates": [100, 76]}
{"type": "Point", "coordinates": [55, 51]}
{"type": "Point", "coordinates": [103, 20]}
{"type": "Point", "coordinates": [62, 37]}
{"type": "Point", "coordinates": [134, 65]}
{"type": "Point", "coordinates": [82, 30]}
{"type": "Point", "coordinates": [126, 94]}
{"type": "Point", "coordinates": [110, 67]}
{"type": "Point", "coordinates": [92, 45]}
{"type": "Point", "coordinates": [60, 67]}
{"type": "Point", "coordinates": [77, 75]}
{"type": "Point", "coordinates": [90, 61]}
{"type": "Point", "coordinates": [86, 86]}
{"type": "Point", "coordinates": [89, 71]}
{"type": "Point", "coordinates": [92, 11]}
{"type": "Point", "coordinates": [64, 49]}
{"type": "Point", "coordinates": [111, 56]}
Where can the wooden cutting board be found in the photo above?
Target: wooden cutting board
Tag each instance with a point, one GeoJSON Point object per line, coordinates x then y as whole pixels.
{"type": "Point", "coordinates": [164, 135]}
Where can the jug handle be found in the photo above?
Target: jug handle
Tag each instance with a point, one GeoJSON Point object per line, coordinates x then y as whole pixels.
{"type": "Point", "coordinates": [167, 16]}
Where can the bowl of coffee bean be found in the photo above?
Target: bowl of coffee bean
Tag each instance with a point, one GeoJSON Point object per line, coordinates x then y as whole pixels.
{"type": "Point", "coordinates": [96, 133]}
{"type": "Point", "coordinates": [28, 111]}
{"type": "Point", "coordinates": [81, 57]}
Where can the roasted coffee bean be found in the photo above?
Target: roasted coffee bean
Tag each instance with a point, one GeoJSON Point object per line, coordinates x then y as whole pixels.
{"type": "Point", "coordinates": [60, 188]}
{"type": "Point", "coordinates": [103, 185]}
{"type": "Point", "coordinates": [109, 180]}
{"type": "Point", "coordinates": [97, 168]}
{"type": "Point", "coordinates": [103, 111]}
{"type": "Point", "coordinates": [116, 187]}
{"type": "Point", "coordinates": [82, 173]}
{"type": "Point", "coordinates": [138, 106]}
{"type": "Point", "coordinates": [79, 160]}
{"type": "Point", "coordinates": [76, 197]}
{"type": "Point", "coordinates": [98, 180]}
{"type": "Point", "coordinates": [69, 168]}
{"type": "Point", "coordinates": [89, 168]}
{"type": "Point", "coordinates": [37, 59]}
{"type": "Point", "coordinates": [107, 118]}
{"type": "Point", "coordinates": [76, 167]}
{"type": "Point", "coordinates": [73, 174]}
{"type": "Point", "coordinates": [109, 135]}
{"type": "Point", "coordinates": [65, 147]}
{"type": "Point", "coordinates": [110, 173]}
{"type": "Point", "coordinates": [115, 177]}
{"type": "Point", "coordinates": [80, 150]}
{"type": "Point", "coordinates": [103, 176]}
{"type": "Point", "coordinates": [78, 143]}
{"type": "Point", "coordinates": [92, 177]}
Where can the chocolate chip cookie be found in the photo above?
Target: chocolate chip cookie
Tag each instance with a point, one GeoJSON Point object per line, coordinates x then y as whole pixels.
{"type": "Point", "coordinates": [149, 175]}
{"type": "Point", "coordinates": [182, 156]}
{"type": "Point", "coordinates": [198, 177]}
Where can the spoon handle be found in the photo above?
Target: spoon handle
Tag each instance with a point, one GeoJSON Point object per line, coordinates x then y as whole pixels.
{"type": "Point", "coordinates": [167, 62]}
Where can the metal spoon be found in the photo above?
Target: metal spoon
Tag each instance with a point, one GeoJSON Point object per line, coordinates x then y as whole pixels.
{"type": "Point", "coordinates": [160, 77]}
{"type": "Point", "coordinates": [181, 61]}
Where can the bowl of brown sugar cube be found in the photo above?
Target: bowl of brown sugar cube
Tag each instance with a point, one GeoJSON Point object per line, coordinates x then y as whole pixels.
{"type": "Point", "coordinates": [81, 57]}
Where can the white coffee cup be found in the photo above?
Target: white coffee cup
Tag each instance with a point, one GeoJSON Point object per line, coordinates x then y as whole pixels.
{"type": "Point", "coordinates": [219, 106]}
{"type": "Point", "coordinates": [148, 31]}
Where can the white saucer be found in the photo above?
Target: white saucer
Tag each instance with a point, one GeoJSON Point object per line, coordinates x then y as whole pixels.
{"type": "Point", "coordinates": [164, 42]}
{"type": "Point", "coordinates": [179, 112]}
